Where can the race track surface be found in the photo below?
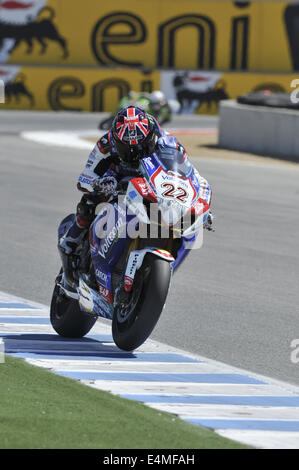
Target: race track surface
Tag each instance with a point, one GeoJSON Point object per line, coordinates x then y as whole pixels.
{"type": "Point", "coordinates": [235, 300]}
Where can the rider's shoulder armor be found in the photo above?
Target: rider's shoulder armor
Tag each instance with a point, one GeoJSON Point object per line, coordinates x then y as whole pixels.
{"type": "Point", "coordinates": [109, 157]}
{"type": "Point", "coordinates": [104, 143]}
{"type": "Point", "coordinates": [158, 129]}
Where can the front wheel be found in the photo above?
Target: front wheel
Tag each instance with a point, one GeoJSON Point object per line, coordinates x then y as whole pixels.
{"type": "Point", "coordinates": [67, 318]}
{"type": "Point", "coordinates": [132, 326]}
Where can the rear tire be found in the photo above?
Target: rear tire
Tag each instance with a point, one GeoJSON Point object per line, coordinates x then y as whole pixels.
{"type": "Point", "coordinates": [67, 318]}
{"type": "Point", "coordinates": [129, 334]}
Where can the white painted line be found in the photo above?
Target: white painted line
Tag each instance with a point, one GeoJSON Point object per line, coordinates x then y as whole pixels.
{"type": "Point", "coordinates": [4, 297]}
{"type": "Point", "coordinates": [25, 329]}
{"type": "Point", "coordinates": [226, 411]}
{"type": "Point", "coordinates": [104, 366]}
{"type": "Point", "coordinates": [264, 439]}
{"type": "Point", "coordinates": [73, 139]}
{"type": "Point", "coordinates": [170, 388]}
{"type": "Point", "coordinates": [4, 312]}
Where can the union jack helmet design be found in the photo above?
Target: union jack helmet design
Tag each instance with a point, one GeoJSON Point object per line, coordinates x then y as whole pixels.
{"type": "Point", "coordinates": [133, 133]}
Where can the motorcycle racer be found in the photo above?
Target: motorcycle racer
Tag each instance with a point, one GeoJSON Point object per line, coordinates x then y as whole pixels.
{"type": "Point", "coordinates": [160, 107]}
{"type": "Point", "coordinates": [134, 134]}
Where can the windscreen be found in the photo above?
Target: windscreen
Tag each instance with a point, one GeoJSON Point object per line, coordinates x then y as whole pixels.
{"type": "Point", "coordinates": [173, 160]}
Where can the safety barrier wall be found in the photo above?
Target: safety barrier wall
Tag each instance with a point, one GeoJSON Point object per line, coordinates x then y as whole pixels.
{"type": "Point", "coordinates": [260, 130]}
{"type": "Point", "coordinates": [99, 89]}
{"type": "Point", "coordinates": [189, 34]}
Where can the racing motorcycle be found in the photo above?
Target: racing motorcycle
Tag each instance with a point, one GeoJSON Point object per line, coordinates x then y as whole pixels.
{"type": "Point", "coordinates": [124, 265]}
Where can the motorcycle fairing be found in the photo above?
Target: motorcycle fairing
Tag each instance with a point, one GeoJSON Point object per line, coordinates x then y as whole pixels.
{"type": "Point", "coordinates": [65, 224]}
{"type": "Point", "coordinates": [92, 303]}
{"type": "Point", "coordinates": [106, 250]}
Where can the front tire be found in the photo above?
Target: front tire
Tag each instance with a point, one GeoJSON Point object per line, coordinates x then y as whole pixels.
{"type": "Point", "coordinates": [67, 318]}
{"type": "Point", "coordinates": [129, 333]}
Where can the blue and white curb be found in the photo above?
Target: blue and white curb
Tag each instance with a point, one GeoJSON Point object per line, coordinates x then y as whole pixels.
{"type": "Point", "coordinates": [237, 404]}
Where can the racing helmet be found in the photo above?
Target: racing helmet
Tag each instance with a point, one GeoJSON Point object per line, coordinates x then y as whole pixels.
{"type": "Point", "coordinates": [133, 135]}
{"type": "Point", "coordinates": [157, 97]}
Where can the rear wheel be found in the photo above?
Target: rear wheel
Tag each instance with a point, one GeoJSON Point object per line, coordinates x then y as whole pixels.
{"type": "Point", "coordinates": [132, 325]}
{"type": "Point", "coordinates": [67, 318]}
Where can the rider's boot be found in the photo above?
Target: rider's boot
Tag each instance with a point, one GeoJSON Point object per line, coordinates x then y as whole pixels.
{"type": "Point", "coordinates": [68, 248]}
{"type": "Point", "coordinates": [71, 241]}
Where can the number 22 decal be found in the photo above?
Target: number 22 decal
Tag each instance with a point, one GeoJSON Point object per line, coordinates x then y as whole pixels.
{"type": "Point", "coordinates": [177, 193]}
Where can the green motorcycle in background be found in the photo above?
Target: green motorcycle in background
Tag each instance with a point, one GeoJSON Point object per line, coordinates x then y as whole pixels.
{"type": "Point", "coordinates": [153, 103]}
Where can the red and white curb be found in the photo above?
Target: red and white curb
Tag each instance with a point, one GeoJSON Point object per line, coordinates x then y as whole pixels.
{"type": "Point", "coordinates": [237, 404]}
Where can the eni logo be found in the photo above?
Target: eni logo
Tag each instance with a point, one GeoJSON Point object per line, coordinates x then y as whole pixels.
{"type": "Point", "coordinates": [105, 37]}
{"type": "Point", "coordinates": [41, 30]}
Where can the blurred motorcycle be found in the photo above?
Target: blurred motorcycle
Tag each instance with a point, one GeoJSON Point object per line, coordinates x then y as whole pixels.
{"type": "Point", "coordinates": [153, 103]}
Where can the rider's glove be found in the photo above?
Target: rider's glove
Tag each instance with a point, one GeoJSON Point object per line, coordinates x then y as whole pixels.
{"type": "Point", "coordinates": [106, 186]}
{"type": "Point", "coordinates": [209, 222]}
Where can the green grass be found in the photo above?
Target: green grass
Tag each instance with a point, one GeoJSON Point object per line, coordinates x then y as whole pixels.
{"type": "Point", "coordinates": [42, 410]}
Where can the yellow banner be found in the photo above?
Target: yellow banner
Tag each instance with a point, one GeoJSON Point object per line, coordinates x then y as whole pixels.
{"type": "Point", "coordinates": [189, 34]}
{"type": "Point", "coordinates": [71, 89]}
{"type": "Point", "coordinates": [82, 89]}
